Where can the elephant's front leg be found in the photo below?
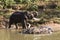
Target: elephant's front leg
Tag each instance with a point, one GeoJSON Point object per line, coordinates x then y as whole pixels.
{"type": "Point", "coordinates": [16, 25]}
{"type": "Point", "coordinates": [24, 24]}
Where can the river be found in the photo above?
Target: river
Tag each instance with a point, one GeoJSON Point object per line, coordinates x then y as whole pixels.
{"type": "Point", "coordinates": [12, 34]}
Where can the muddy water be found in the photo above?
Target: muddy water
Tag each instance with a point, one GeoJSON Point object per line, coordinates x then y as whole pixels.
{"type": "Point", "coordinates": [12, 34]}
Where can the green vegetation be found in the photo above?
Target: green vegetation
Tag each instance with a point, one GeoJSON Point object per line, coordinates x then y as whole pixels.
{"type": "Point", "coordinates": [45, 15]}
{"type": "Point", "coordinates": [30, 5]}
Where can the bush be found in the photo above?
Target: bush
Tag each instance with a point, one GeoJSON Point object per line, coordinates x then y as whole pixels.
{"type": "Point", "coordinates": [57, 20]}
{"type": "Point", "coordinates": [1, 13]}
{"type": "Point", "coordinates": [7, 3]}
{"type": "Point", "coordinates": [22, 1]}
{"type": "Point", "coordinates": [1, 7]}
{"type": "Point", "coordinates": [33, 7]}
{"type": "Point", "coordinates": [6, 16]}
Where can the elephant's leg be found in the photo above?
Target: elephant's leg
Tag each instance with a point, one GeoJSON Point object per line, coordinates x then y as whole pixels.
{"type": "Point", "coordinates": [6, 24]}
{"type": "Point", "coordinates": [9, 25]}
{"type": "Point", "coordinates": [16, 26]}
{"type": "Point", "coordinates": [24, 24]}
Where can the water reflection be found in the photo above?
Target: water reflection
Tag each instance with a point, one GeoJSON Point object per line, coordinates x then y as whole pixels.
{"type": "Point", "coordinates": [6, 34]}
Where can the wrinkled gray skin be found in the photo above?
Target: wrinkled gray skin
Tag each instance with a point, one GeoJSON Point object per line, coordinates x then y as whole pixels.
{"type": "Point", "coordinates": [21, 17]}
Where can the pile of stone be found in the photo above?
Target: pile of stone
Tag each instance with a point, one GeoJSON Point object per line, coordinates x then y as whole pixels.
{"type": "Point", "coordinates": [38, 30]}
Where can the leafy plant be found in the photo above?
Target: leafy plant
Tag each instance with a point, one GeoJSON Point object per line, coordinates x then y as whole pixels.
{"type": "Point", "coordinates": [33, 7]}
{"type": "Point", "coordinates": [7, 2]}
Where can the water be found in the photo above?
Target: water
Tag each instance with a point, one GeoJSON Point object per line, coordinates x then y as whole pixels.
{"type": "Point", "coordinates": [7, 34]}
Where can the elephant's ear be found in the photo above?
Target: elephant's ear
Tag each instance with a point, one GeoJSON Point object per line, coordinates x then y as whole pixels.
{"type": "Point", "coordinates": [35, 13]}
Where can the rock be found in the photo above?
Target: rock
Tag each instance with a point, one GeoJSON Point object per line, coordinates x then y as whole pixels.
{"type": "Point", "coordinates": [38, 30]}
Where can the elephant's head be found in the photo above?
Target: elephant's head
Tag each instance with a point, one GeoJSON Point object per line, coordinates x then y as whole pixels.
{"type": "Point", "coordinates": [31, 15]}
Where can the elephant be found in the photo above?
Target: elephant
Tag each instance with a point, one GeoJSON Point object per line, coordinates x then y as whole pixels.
{"type": "Point", "coordinates": [21, 17]}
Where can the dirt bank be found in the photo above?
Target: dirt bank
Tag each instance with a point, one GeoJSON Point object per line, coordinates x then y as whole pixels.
{"type": "Point", "coordinates": [55, 26]}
